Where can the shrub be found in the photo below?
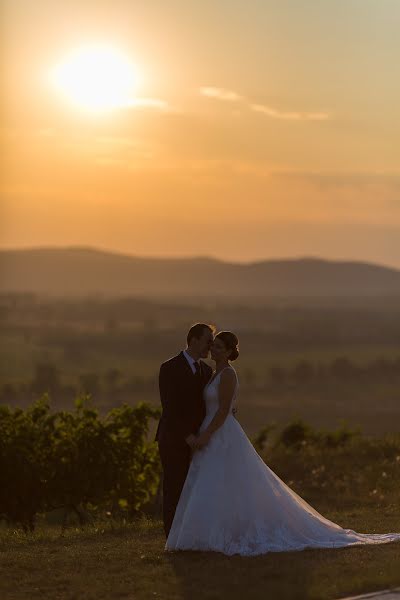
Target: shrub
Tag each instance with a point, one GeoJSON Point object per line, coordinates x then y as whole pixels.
{"type": "Point", "coordinates": [75, 459]}
{"type": "Point", "coordinates": [340, 466]}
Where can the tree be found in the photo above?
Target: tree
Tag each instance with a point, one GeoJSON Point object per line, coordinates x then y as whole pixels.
{"type": "Point", "coordinates": [303, 372]}
{"type": "Point", "coordinates": [46, 379]}
{"type": "Point", "coordinates": [277, 375]}
{"type": "Point", "coordinates": [89, 382]}
{"type": "Point", "coordinates": [112, 377]}
{"type": "Point", "coordinates": [343, 368]}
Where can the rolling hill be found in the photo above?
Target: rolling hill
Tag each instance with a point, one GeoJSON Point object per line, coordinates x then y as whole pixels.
{"type": "Point", "coordinates": [77, 271]}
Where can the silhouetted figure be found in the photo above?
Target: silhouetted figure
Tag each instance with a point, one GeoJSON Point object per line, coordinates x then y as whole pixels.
{"type": "Point", "coordinates": [182, 381]}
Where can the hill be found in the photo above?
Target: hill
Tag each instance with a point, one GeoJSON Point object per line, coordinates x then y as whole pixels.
{"type": "Point", "coordinates": [78, 271]}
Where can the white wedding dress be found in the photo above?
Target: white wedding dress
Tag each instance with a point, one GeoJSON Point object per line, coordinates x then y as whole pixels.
{"type": "Point", "coordinates": [233, 503]}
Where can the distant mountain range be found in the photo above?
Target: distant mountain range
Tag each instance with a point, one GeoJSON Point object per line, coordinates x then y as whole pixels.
{"type": "Point", "coordinates": [78, 271]}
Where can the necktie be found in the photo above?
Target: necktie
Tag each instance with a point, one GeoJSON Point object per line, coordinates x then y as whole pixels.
{"type": "Point", "coordinates": [197, 367]}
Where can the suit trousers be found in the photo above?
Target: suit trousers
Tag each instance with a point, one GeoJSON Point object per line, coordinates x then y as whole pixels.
{"type": "Point", "coordinates": [175, 459]}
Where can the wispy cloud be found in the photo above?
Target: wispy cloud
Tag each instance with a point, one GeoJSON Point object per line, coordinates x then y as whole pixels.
{"type": "Point", "coordinates": [291, 116]}
{"type": "Point", "coordinates": [269, 111]}
{"type": "Point", "coordinates": [220, 94]}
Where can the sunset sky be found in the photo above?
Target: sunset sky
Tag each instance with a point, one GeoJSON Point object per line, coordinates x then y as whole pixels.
{"type": "Point", "coordinates": [236, 129]}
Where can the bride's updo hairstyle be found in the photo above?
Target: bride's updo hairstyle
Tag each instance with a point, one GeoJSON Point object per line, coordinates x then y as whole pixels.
{"type": "Point", "coordinates": [230, 342]}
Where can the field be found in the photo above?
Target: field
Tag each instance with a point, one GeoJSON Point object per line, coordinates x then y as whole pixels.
{"type": "Point", "coordinates": [322, 360]}
{"type": "Point", "coordinates": [110, 561]}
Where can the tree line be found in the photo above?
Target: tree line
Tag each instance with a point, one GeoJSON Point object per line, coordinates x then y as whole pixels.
{"type": "Point", "coordinates": [115, 384]}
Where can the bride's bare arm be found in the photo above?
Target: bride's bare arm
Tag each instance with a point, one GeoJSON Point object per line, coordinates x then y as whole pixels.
{"type": "Point", "coordinates": [226, 390]}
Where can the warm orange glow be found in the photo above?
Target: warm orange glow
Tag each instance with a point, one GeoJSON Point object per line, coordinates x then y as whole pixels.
{"type": "Point", "coordinates": [240, 133]}
{"type": "Point", "coordinates": [97, 78]}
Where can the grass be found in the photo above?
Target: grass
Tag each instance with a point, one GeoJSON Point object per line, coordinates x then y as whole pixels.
{"type": "Point", "coordinates": [111, 561]}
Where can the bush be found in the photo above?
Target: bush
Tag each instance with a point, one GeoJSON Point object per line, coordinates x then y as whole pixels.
{"type": "Point", "coordinates": [75, 460]}
{"type": "Point", "coordinates": [340, 466]}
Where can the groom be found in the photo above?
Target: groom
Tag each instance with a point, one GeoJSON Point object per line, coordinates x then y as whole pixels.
{"type": "Point", "coordinates": [182, 380]}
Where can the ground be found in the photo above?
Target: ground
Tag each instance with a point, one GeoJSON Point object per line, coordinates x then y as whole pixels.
{"type": "Point", "coordinates": [111, 561]}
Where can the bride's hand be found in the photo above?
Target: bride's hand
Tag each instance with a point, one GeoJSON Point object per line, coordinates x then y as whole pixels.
{"type": "Point", "coordinates": [202, 440]}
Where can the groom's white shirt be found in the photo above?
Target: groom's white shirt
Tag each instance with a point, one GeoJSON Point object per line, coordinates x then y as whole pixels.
{"type": "Point", "coordinates": [190, 360]}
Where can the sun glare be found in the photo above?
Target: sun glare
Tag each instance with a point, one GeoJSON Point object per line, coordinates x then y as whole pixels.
{"type": "Point", "coordinates": [96, 78]}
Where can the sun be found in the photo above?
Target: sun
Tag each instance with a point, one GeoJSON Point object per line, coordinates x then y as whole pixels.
{"type": "Point", "coordinates": [96, 78]}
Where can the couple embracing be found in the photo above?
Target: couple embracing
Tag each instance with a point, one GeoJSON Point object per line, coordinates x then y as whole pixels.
{"type": "Point", "coordinates": [218, 494]}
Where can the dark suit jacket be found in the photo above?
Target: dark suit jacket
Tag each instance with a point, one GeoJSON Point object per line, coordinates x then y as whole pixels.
{"type": "Point", "coordinates": [181, 394]}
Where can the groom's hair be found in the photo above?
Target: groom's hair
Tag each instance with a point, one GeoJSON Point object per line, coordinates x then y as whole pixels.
{"type": "Point", "coordinates": [197, 330]}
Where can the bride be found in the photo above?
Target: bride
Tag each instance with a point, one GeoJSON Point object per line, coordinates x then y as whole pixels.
{"type": "Point", "coordinates": [231, 501]}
